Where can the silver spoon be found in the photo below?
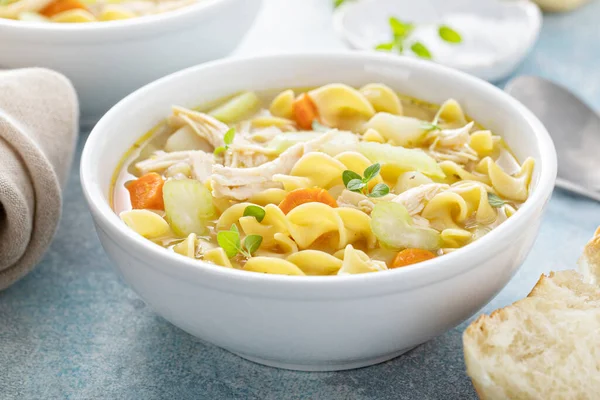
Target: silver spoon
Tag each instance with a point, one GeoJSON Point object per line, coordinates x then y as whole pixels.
{"type": "Point", "coordinates": [574, 127]}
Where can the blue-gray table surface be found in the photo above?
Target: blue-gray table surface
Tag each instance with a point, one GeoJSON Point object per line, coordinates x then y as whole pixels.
{"type": "Point", "coordinates": [72, 329]}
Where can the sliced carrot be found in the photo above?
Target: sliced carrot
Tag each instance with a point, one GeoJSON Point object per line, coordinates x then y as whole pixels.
{"type": "Point", "coordinates": [58, 6]}
{"type": "Point", "coordinates": [300, 196]}
{"type": "Point", "coordinates": [411, 256]}
{"type": "Point", "coordinates": [146, 192]}
{"type": "Point", "coordinates": [305, 111]}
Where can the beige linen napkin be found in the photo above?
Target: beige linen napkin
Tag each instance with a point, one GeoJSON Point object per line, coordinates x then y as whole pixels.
{"type": "Point", "coordinates": [38, 129]}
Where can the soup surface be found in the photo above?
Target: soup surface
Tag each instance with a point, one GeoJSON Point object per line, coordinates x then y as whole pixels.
{"type": "Point", "coordinates": [85, 10]}
{"type": "Point", "coordinates": [328, 181]}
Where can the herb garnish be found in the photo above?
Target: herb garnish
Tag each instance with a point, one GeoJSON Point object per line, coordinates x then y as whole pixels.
{"type": "Point", "coordinates": [227, 139]}
{"type": "Point", "coordinates": [256, 212]}
{"type": "Point", "coordinates": [337, 3]}
{"type": "Point", "coordinates": [495, 201]}
{"type": "Point", "coordinates": [231, 243]}
{"type": "Point", "coordinates": [356, 183]}
{"type": "Point", "coordinates": [449, 35]}
{"type": "Point", "coordinates": [402, 38]}
{"type": "Point", "coordinates": [420, 50]}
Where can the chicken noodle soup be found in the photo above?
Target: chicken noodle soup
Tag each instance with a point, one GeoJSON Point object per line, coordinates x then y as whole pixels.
{"type": "Point", "coordinates": [329, 181]}
{"type": "Point", "coordinates": [85, 10]}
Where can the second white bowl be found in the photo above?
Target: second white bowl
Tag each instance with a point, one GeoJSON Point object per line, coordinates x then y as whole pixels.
{"type": "Point", "coordinates": [108, 60]}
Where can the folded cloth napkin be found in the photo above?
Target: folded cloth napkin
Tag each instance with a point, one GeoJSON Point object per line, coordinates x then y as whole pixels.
{"type": "Point", "coordinates": [38, 130]}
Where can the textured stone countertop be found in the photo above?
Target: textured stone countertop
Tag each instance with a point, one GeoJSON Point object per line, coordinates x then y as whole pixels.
{"type": "Point", "coordinates": [72, 330]}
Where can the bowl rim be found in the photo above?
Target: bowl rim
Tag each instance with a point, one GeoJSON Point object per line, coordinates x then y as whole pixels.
{"type": "Point", "coordinates": [450, 265]}
{"type": "Point", "coordinates": [126, 25]}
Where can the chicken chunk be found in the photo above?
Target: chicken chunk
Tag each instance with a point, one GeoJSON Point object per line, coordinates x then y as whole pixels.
{"type": "Point", "coordinates": [201, 163]}
{"type": "Point", "coordinates": [415, 199]}
{"type": "Point", "coordinates": [205, 126]}
{"type": "Point", "coordinates": [242, 183]}
{"type": "Point", "coordinates": [452, 145]}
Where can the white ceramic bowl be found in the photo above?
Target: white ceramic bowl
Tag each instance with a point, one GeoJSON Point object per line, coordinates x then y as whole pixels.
{"type": "Point", "coordinates": [497, 34]}
{"type": "Point", "coordinates": [108, 60]}
{"type": "Point", "coordinates": [317, 323]}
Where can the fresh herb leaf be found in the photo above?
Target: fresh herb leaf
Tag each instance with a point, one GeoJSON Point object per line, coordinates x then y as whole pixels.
{"type": "Point", "coordinates": [318, 127]}
{"type": "Point", "coordinates": [252, 243]}
{"type": "Point", "coordinates": [399, 43]}
{"type": "Point", "coordinates": [449, 35]}
{"type": "Point", "coordinates": [355, 185]}
{"type": "Point", "coordinates": [337, 3]}
{"type": "Point", "coordinates": [227, 139]}
{"type": "Point", "coordinates": [371, 172]}
{"type": "Point", "coordinates": [230, 242]}
{"type": "Point", "coordinates": [385, 47]}
{"type": "Point", "coordinates": [495, 201]}
{"type": "Point", "coordinates": [256, 212]}
{"type": "Point", "coordinates": [428, 127]}
{"type": "Point", "coordinates": [400, 29]}
{"type": "Point", "coordinates": [420, 50]}
{"type": "Point", "coordinates": [229, 135]}
{"type": "Point", "coordinates": [379, 190]}
{"type": "Point", "coordinates": [219, 150]}
{"type": "Point", "coordinates": [348, 175]}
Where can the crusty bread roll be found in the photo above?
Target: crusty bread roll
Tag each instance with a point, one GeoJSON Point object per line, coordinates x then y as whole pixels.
{"type": "Point", "coordinates": [589, 262]}
{"type": "Point", "coordinates": [546, 346]}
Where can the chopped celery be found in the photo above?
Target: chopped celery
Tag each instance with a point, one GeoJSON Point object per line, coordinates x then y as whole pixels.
{"type": "Point", "coordinates": [393, 226]}
{"type": "Point", "coordinates": [284, 141]}
{"type": "Point", "coordinates": [402, 158]}
{"type": "Point", "coordinates": [188, 206]}
{"type": "Point", "coordinates": [239, 107]}
{"type": "Point", "coordinates": [404, 131]}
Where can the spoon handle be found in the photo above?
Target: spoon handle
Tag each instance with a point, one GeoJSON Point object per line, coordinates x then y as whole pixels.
{"type": "Point", "coordinates": [574, 188]}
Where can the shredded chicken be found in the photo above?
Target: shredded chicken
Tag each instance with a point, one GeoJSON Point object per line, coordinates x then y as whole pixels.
{"type": "Point", "coordinates": [355, 200]}
{"type": "Point", "coordinates": [452, 145]}
{"type": "Point", "coordinates": [453, 138]}
{"type": "Point", "coordinates": [161, 160]}
{"type": "Point", "coordinates": [247, 156]}
{"type": "Point", "coordinates": [242, 183]}
{"type": "Point", "coordinates": [414, 199]}
{"type": "Point", "coordinates": [201, 163]}
{"type": "Point", "coordinates": [205, 126]}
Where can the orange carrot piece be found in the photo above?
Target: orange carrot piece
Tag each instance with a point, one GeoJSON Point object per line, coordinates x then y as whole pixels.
{"type": "Point", "coordinates": [300, 196]}
{"type": "Point", "coordinates": [59, 6]}
{"type": "Point", "coordinates": [146, 192]}
{"type": "Point", "coordinates": [411, 256]}
{"type": "Point", "coordinates": [305, 111]}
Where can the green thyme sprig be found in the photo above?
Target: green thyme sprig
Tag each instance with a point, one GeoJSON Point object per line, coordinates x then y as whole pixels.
{"type": "Point", "coordinates": [228, 140]}
{"type": "Point", "coordinates": [359, 184]}
{"type": "Point", "coordinates": [402, 38]}
{"type": "Point", "coordinates": [231, 243]}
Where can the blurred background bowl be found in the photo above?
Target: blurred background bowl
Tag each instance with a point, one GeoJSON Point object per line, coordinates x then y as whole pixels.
{"type": "Point", "coordinates": [108, 60]}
